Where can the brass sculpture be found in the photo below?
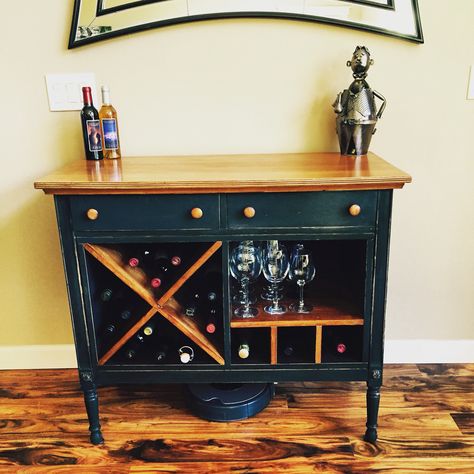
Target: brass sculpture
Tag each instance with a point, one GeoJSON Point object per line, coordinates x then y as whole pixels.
{"type": "Point", "coordinates": [356, 109]}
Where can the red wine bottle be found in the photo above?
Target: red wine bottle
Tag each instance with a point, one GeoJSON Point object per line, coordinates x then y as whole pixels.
{"type": "Point", "coordinates": [91, 131]}
{"type": "Point", "coordinates": [137, 257]}
{"type": "Point", "coordinates": [161, 270]}
{"type": "Point", "coordinates": [211, 315]}
{"type": "Point", "coordinates": [341, 348]}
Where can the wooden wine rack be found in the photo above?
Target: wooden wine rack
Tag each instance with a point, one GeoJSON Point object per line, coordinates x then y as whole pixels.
{"type": "Point", "coordinates": [166, 305]}
{"type": "Point", "coordinates": [333, 313]}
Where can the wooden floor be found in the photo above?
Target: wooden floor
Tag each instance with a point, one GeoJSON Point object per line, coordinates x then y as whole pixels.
{"type": "Point", "coordinates": [426, 424]}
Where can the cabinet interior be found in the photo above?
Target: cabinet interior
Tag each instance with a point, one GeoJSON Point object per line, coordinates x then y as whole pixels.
{"type": "Point", "coordinates": [336, 293]}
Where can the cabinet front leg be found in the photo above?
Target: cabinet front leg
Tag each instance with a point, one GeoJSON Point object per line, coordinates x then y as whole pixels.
{"type": "Point", "coordinates": [373, 401]}
{"type": "Point", "coordinates": [92, 406]}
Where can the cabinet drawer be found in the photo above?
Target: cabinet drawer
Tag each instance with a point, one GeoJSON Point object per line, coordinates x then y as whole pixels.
{"type": "Point", "coordinates": [307, 209]}
{"type": "Point", "coordinates": [132, 212]}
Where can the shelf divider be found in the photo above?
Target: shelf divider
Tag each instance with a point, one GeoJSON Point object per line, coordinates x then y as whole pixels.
{"type": "Point", "coordinates": [319, 344]}
{"type": "Point", "coordinates": [273, 345]}
{"type": "Point", "coordinates": [127, 336]}
{"type": "Point", "coordinates": [134, 278]}
{"type": "Point", "coordinates": [173, 313]}
{"type": "Point", "coordinates": [189, 272]}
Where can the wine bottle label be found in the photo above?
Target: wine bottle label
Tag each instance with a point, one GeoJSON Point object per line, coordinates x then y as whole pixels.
{"type": "Point", "coordinates": [110, 134]}
{"type": "Point", "coordinates": [93, 135]}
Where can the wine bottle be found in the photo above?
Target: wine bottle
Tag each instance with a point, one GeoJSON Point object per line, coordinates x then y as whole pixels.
{"type": "Point", "coordinates": [161, 353]}
{"type": "Point", "coordinates": [130, 354]}
{"type": "Point", "coordinates": [139, 258]}
{"type": "Point", "coordinates": [125, 314]}
{"type": "Point", "coordinates": [162, 269]}
{"type": "Point", "coordinates": [211, 315]}
{"type": "Point", "coordinates": [106, 295]}
{"type": "Point", "coordinates": [149, 329]}
{"type": "Point", "coordinates": [341, 348]}
{"type": "Point", "coordinates": [244, 350]}
{"type": "Point", "coordinates": [288, 351]}
{"type": "Point", "coordinates": [191, 306]}
{"type": "Point", "coordinates": [91, 127]}
{"type": "Point", "coordinates": [110, 330]}
{"type": "Point", "coordinates": [186, 354]}
{"type": "Point", "coordinates": [109, 126]}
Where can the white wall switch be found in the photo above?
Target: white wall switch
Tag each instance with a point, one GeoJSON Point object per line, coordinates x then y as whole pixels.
{"type": "Point", "coordinates": [65, 90]}
{"type": "Point", "coordinates": [470, 90]}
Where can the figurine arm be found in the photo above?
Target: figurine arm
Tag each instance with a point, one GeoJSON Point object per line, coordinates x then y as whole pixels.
{"type": "Point", "coordinates": [337, 105]}
{"type": "Point", "coordinates": [384, 103]}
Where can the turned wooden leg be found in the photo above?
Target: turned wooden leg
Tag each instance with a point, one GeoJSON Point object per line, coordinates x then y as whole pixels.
{"type": "Point", "coordinates": [92, 406]}
{"type": "Point", "coordinates": [373, 400]}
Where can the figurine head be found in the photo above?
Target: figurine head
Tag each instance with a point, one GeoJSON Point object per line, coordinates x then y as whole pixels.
{"type": "Point", "coordinates": [360, 61]}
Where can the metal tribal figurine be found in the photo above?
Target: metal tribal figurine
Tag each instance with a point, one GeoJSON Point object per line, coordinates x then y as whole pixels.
{"type": "Point", "coordinates": [356, 109]}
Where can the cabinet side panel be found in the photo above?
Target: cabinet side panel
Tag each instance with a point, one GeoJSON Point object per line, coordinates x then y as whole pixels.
{"type": "Point", "coordinates": [73, 283]}
{"type": "Point", "coordinates": [382, 241]}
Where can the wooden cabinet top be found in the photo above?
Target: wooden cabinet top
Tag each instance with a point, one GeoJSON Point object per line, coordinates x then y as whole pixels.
{"type": "Point", "coordinates": [224, 173]}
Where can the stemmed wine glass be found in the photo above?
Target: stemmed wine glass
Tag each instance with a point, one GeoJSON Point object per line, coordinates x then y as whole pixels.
{"type": "Point", "coordinates": [245, 266]}
{"type": "Point", "coordinates": [302, 271]}
{"type": "Point", "coordinates": [275, 265]}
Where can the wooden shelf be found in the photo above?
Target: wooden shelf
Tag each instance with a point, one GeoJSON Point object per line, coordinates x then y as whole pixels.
{"type": "Point", "coordinates": [323, 314]}
{"type": "Point", "coordinates": [166, 306]}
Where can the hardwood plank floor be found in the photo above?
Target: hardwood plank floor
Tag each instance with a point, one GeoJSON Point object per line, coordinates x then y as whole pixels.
{"type": "Point", "coordinates": [426, 424]}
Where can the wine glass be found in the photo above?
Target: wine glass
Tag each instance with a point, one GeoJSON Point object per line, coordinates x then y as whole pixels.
{"type": "Point", "coordinates": [275, 266]}
{"type": "Point", "coordinates": [245, 266]}
{"type": "Point", "coordinates": [302, 271]}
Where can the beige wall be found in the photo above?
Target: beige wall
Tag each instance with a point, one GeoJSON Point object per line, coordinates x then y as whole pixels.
{"type": "Point", "coordinates": [238, 86]}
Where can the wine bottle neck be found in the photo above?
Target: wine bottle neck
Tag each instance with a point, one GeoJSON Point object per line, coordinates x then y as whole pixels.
{"type": "Point", "coordinates": [105, 95]}
{"type": "Point", "coordinates": [87, 95]}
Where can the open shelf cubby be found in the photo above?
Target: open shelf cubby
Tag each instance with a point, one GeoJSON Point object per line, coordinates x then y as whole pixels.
{"type": "Point", "coordinates": [337, 298]}
{"type": "Point", "coordinates": [135, 282]}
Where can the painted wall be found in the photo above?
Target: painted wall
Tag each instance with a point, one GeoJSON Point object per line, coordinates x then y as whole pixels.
{"type": "Point", "coordinates": [236, 86]}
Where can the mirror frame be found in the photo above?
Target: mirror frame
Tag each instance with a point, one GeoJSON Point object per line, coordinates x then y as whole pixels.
{"type": "Point", "coordinates": [391, 5]}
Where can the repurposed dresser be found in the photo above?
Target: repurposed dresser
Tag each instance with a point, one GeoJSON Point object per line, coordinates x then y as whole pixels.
{"type": "Point", "coordinates": [199, 208]}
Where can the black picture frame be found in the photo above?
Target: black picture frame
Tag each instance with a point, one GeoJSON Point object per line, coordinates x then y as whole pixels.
{"type": "Point", "coordinates": [101, 11]}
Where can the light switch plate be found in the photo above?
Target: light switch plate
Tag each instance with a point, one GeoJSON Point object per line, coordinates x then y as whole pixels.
{"type": "Point", "coordinates": [470, 90]}
{"type": "Point", "coordinates": [65, 90]}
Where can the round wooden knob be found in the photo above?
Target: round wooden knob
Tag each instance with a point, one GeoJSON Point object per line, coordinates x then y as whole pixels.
{"type": "Point", "coordinates": [92, 214]}
{"type": "Point", "coordinates": [354, 210]}
{"type": "Point", "coordinates": [249, 212]}
{"type": "Point", "coordinates": [196, 213]}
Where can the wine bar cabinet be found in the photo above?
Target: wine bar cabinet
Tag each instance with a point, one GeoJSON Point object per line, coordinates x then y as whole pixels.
{"type": "Point", "coordinates": [150, 246]}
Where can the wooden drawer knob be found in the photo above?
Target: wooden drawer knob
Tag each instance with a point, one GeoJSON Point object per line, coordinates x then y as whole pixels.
{"type": "Point", "coordinates": [354, 210]}
{"type": "Point", "coordinates": [249, 212]}
{"type": "Point", "coordinates": [196, 213]}
{"type": "Point", "coordinates": [92, 214]}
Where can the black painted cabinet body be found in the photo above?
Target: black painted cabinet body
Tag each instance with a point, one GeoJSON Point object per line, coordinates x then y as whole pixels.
{"type": "Point", "coordinates": [351, 253]}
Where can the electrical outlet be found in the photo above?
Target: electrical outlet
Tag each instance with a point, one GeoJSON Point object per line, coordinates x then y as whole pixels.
{"type": "Point", "coordinates": [65, 90]}
{"type": "Point", "coordinates": [470, 90]}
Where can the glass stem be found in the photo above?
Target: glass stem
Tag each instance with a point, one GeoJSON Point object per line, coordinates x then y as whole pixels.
{"type": "Point", "coordinates": [275, 295]}
{"type": "Point", "coordinates": [301, 288]}
{"type": "Point", "coordinates": [245, 289]}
